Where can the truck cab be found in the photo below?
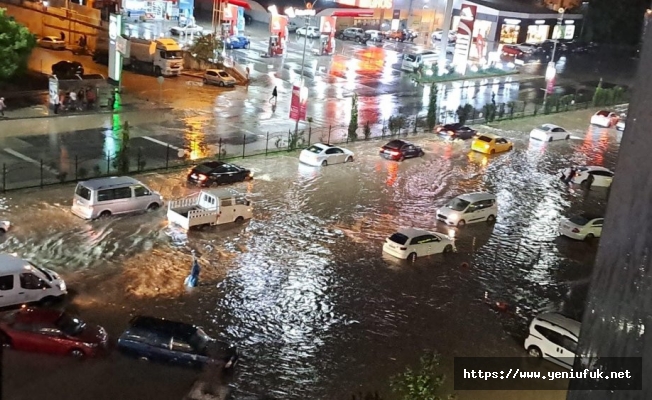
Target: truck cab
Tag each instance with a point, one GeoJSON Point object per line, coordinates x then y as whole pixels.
{"type": "Point", "coordinates": [160, 57]}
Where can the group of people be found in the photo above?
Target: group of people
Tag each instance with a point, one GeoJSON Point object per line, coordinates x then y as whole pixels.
{"type": "Point", "coordinates": [84, 99]}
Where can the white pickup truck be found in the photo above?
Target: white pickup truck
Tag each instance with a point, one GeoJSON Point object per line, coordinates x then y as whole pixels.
{"type": "Point", "coordinates": [210, 207]}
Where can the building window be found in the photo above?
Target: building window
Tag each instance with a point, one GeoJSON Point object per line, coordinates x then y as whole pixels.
{"type": "Point", "coordinates": [563, 32]}
{"type": "Point", "coordinates": [537, 33]}
{"type": "Point", "coordinates": [509, 34]}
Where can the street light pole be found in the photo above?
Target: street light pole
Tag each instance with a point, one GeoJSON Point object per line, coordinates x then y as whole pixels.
{"type": "Point", "coordinates": [551, 71]}
{"type": "Point", "coordinates": [303, 61]}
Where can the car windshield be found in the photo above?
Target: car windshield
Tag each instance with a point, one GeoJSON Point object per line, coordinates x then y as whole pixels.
{"type": "Point", "coordinates": [43, 271]}
{"type": "Point", "coordinates": [457, 204]}
{"type": "Point", "coordinates": [602, 113]}
{"type": "Point", "coordinates": [410, 58]}
{"type": "Point", "coordinates": [172, 55]}
{"type": "Point", "coordinates": [399, 238]}
{"type": "Point", "coordinates": [83, 192]}
{"type": "Point", "coordinates": [203, 169]}
{"type": "Point", "coordinates": [545, 128]}
{"type": "Point", "coordinates": [69, 325]}
{"type": "Point", "coordinates": [579, 220]}
{"type": "Point", "coordinates": [315, 149]}
{"type": "Point", "coordinates": [484, 139]}
{"type": "Point", "coordinates": [223, 74]}
{"type": "Point", "coordinates": [394, 144]}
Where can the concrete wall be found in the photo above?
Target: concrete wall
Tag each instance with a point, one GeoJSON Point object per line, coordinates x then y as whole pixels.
{"type": "Point", "coordinates": [51, 21]}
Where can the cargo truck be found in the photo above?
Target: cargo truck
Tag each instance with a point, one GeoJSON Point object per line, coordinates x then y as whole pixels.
{"type": "Point", "coordinates": [210, 207]}
{"type": "Point", "coordinates": [158, 57]}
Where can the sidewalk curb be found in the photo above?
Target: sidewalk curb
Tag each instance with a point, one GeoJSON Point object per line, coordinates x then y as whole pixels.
{"type": "Point", "coordinates": [83, 114]}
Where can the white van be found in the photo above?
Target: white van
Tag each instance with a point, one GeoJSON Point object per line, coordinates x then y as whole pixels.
{"type": "Point", "coordinates": [412, 62]}
{"type": "Point", "coordinates": [553, 337]}
{"type": "Point", "coordinates": [22, 282]}
{"type": "Point", "coordinates": [469, 208]}
{"type": "Point", "coordinates": [104, 197]}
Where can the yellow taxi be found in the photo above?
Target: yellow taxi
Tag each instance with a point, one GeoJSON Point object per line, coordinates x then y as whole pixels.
{"type": "Point", "coordinates": [490, 144]}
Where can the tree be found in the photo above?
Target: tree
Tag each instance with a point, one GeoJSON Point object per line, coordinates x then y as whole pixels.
{"type": "Point", "coordinates": [353, 124]}
{"type": "Point", "coordinates": [432, 107]}
{"type": "Point", "coordinates": [16, 44]}
{"type": "Point", "coordinates": [423, 383]}
{"type": "Point", "coordinates": [206, 48]}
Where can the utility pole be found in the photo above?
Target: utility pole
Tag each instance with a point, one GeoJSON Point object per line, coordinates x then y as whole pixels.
{"type": "Point", "coordinates": [551, 71]}
{"type": "Point", "coordinates": [448, 20]}
{"type": "Point", "coordinates": [616, 320]}
{"type": "Point", "coordinates": [309, 6]}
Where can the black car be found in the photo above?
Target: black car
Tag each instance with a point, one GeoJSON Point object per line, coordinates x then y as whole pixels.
{"type": "Point", "coordinates": [214, 173]}
{"type": "Point", "coordinates": [399, 150]}
{"type": "Point", "coordinates": [67, 69]}
{"type": "Point", "coordinates": [158, 339]}
{"type": "Point", "coordinates": [456, 131]}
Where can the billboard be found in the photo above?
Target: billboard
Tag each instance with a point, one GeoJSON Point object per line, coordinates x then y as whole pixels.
{"type": "Point", "coordinates": [115, 58]}
{"type": "Point", "coordinates": [464, 37]}
{"type": "Point", "coordinates": [299, 103]}
{"type": "Point", "coordinates": [278, 25]}
{"type": "Point", "coordinates": [327, 25]}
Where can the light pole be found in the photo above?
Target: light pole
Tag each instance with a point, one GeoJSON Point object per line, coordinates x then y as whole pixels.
{"type": "Point", "coordinates": [551, 71]}
{"type": "Point", "coordinates": [309, 9]}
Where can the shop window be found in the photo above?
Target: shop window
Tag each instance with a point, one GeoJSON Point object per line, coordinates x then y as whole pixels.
{"type": "Point", "coordinates": [563, 32]}
{"type": "Point", "coordinates": [509, 34]}
{"type": "Point", "coordinates": [537, 34]}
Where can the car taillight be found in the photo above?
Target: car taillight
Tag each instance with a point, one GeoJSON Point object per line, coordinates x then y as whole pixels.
{"type": "Point", "coordinates": [451, 133]}
{"type": "Point", "coordinates": [394, 152]}
{"type": "Point", "coordinates": [402, 248]}
{"type": "Point", "coordinates": [575, 230]}
{"type": "Point", "coordinates": [202, 177]}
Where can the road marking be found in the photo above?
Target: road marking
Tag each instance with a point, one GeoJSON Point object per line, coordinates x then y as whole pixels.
{"type": "Point", "coordinates": [30, 160]}
{"type": "Point", "coordinates": [151, 139]}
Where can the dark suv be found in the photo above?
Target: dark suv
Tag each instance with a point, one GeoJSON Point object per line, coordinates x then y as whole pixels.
{"type": "Point", "coordinates": [356, 34]}
{"type": "Point", "coordinates": [67, 69]}
{"type": "Point", "coordinates": [161, 340]}
{"type": "Point", "coordinates": [399, 150]}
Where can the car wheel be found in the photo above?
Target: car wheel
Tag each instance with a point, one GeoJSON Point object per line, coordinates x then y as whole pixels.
{"type": "Point", "coordinates": [158, 71]}
{"type": "Point", "coordinates": [214, 184]}
{"type": "Point", "coordinates": [401, 159]}
{"type": "Point", "coordinates": [239, 220]}
{"type": "Point", "coordinates": [510, 148]}
{"type": "Point", "coordinates": [48, 300]}
{"type": "Point", "coordinates": [550, 139]}
{"type": "Point", "coordinates": [589, 236]}
{"type": "Point", "coordinates": [105, 214]}
{"type": "Point", "coordinates": [461, 223]}
{"type": "Point", "coordinates": [421, 154]}
{"type": "Point", "coordinates": [491, 219]}
{"type": "Point", "coordinates": [349, 159]}
{"type": "Point", "coordinates": [357, 39]}
{"type": "Point", "coordinates": [247, 45]}
{"type": "Point", "coordinates": [76, 353]}
{"type": "Point", "coordinates": [220, 83]}
{"type": "Point", "coordinates": [205, 81]}
{"type": "Point", "coordinates": [153, 206]}
{"type": "Point", "coordinates": [448, 249]}
{"type": "Point", "coordinates": [324, 163]}
{"type": "Point", "coordinates": [567, 137]}
{"type": "Point", "coordinates": [412, 257]}
{"type": "Point", "coordinates": [493, 151]}
{"type": "Point", "coordinates": [535, 352]}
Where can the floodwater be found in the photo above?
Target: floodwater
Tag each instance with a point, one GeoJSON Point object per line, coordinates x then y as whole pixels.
{"type": "Point", "coordinates": [303, 289]}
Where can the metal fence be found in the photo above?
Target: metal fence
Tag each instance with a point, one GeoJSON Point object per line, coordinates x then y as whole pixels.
{"type": "Point", "coordinates": [143, 156]}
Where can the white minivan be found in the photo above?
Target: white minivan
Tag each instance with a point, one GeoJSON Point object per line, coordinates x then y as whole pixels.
{"type": "Point", "coordinates": [114, 195]}
{"type": "Point", "coordinates": [553, 337]}
{"type": "Point", "coordinates": [412, 62]}
{"type": "Point", "coordinates": [22, 282]}
{"type": "Point", "coordinates": [469, 208]}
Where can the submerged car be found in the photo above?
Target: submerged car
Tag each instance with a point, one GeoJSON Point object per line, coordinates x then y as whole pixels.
{"type": "Point", "coordinates": [549, 132]}
{"type": "Point", "coordinates": [52, 42]}
{"type": "Point", "coordinates": [410, 243]}
{"type": "Point", "coordinates": [320, 154]}
{"type": "Point", "coordinates": [491, 144]}
{"type": "Point", "coordinates": [52, 331]}
{"type": "Point", "coordinates": [161, 340]}
{"type": "Point", "coordinates": [456, 131]}
{"type": "Point", "coordinates": [218, 77]}
{"type": "Point", "coordinates": [215, 173]}
{"type": "Point", "coordinates": [591, 174]}
{"type": "Point", "coordinates": [605, 118]}
{"type": "Point", "coordinates": [582, 227]}
{"type": "Point", "coordinates": [399, 150]}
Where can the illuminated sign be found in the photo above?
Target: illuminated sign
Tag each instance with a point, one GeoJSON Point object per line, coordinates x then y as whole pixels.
{"type": "Point", "coordinates": [304, 13]}
{"type": "Point", "coordinates": [384, 4]}
{"type": "Point", "coordinates": [510, 21]}
{"type": "Point", "coordinates": [115, 58]}
{"type": "Point", "coordinates": [464, 37]}
{"type": "Point", "coordinates": [467, 13]}
{"type": "Point", "coordinates": [569, 22]}
{"type": "Point", "coordinates": [540, 22]}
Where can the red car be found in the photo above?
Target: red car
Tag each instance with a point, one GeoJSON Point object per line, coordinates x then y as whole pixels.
{"type": "Point", "coordinates": [52, 331]}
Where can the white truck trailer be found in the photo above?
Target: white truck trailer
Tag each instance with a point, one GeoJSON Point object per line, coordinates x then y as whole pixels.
{"type": "Point", "coordinates": [158, 57]}
{"type": "Point", "coordinates": [210, 207]}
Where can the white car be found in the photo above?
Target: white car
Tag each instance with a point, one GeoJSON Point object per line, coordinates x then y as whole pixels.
{"type": "Point", "coordinates": [310, 31]}
{"type": "Point", "coordinates": [410, 243]}
{"type": "Point", "coordinates": [218, 77]}
{"type": "Point", "coordinates": [438, 35]}
{"type": "Point", "coordinates": [549, 132]}
{"type": "Point", "coordinates": [597, 176]}
{"type": "Point", "coordinates": [605, 119]}
{"type": "Point", "coordinates": [4, 226]}
{"type": "Point", "coordinates": [582, 227]}
{"type": "Point", "coordinates": [52, 42]}
{"type": "Point", "coordinates": [186, 30]}
{"type": "Point", "coordinates": [621, 124]}
{"type": "Point", "coordinates": [375, 36]}
{"type": "Point", "coordinates": [320, 154]}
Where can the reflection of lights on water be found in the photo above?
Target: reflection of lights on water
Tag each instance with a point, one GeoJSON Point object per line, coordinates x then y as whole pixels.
{"type": "Point", "coordinates": [195, 139]}
{"type": "Point", "coordinates": [392, 173]}
{"type": "Point", "coordinates": [112, 136]}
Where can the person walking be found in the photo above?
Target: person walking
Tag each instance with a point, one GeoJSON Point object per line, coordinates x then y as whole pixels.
{"type": "Point", "coordinates": [2, 106]}
{"type": "Point", "coordinates": [274, 95]}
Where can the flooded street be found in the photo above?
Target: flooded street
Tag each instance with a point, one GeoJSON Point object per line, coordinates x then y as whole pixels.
{"type": "Point", "coordinates": [303, 289]}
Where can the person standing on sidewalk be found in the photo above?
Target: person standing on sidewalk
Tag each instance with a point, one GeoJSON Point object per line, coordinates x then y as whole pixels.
{"type": "Point", "coordinates": [2, 106]}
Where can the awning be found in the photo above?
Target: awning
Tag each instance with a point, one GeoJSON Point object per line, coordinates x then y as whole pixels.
{"type": "Point", "coordinates": [346, 12]}
{"type": "Point", "coordinates": [240, 3]}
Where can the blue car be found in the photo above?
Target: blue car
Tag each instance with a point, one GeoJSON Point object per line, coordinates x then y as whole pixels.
{"type": "Point", "coordinates": [161, 340]}
{"type": "Point", "coordinates": [237, 42]}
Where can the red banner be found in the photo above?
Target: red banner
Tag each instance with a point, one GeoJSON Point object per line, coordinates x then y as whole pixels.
{"type": "Point", "coordinates": [467, 20]}
{"type": "Point", "coordinates": [327, 25]}
{"type": "Point", "coordinates": [299, 103]}
{"type": "Point", "coordinates": [278, 24]}
{"type": "Point", "coordinates": [230, 16]}
{"type": "Point", "coordinates": [550, 87]}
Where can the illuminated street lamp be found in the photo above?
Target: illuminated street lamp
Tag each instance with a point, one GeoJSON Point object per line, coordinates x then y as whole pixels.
{"type": "Point", "coordinates": [551, 71]}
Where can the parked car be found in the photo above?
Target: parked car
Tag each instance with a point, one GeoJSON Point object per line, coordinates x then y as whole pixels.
{"type": "Point", "coordinates": [187, 30]}
{"type": "Point", "coordinates": [162, 340]}
{"type": "Point", "coordinates": [375, 36]}
{"type": "Point", "coordinates": [356, 34]}
{"type": "Point", "coordinates": [605, 119]}
{"type": "Point", "coordinates": [438, 35]}
{"type": "Point", "coordinates": [520, 50]}
{"type": "Point", "coordinates": [218, 77]}
{"type": "Point", "coordinates": [310, 31]}
{"type": "Point", "coordinates": [582, 227]}
{"type": "Point", "coordinates": [399, 150]}
{"type": "Point", "coordinates": [292, 27]}
{"type": "Point", "coordinates": [456, 131]}
{"type": "Point", "coordinates": [553, 337]}
{"type": "Point", "coordinates": [52, 42]}
{"type": "Point", "coordinates": [67, 69]}
{"type": "Point", "coordinates": [237, 42]}
{"type": "Point", "coordinates": [52, 331]}
{"type": "Point", "coordinates": [469, 208]}
{"type": "Point", "coordinates": [215, 173]}
{"type": "Point", "coordinates": [410, 243]}
{"type": "Point", "coordinates": [490, 144]}
{"type": "Point", "coordinates": [400, 35]}
{"type": "Point", "coordinates": [549, 132]}
{"type": "Point", "coordinates": [22, 282]}
{"type": "Point", "coordinates": [597, 176]}
{"type": "Point", "coordinates": [320, 154]}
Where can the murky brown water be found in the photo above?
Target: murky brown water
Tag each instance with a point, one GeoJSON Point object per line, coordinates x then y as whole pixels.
{"type": "Point", "coordinates": [303, 289]}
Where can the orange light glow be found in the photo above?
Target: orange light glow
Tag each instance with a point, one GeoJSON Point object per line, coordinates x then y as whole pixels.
{"type": "Point", "coordinates": [392, 173]}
